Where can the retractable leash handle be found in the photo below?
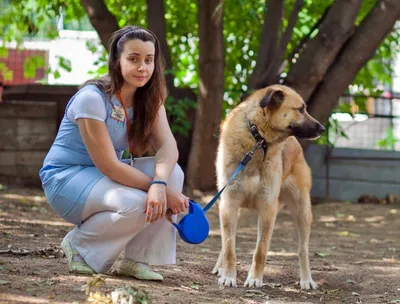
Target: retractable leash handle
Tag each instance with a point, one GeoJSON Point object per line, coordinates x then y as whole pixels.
{"type": "Point", "coordinates": [194, 227]}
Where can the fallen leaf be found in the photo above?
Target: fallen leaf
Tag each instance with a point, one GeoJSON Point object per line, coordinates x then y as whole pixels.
{"type": "Point", "coordinates": [330, 291]}
{"type": "Point", "coordinates": [347, 233]}
{"type": "Point", "coordinates": [195, 285]}
{"type": "Point", "coordinates": [95, 281]}
{"type": "Point", "coordinates": [391, 260]}
{"type": "Point", "coordinates": [322, 254]}
{"type": "Point", "coordinates": [4, 282]}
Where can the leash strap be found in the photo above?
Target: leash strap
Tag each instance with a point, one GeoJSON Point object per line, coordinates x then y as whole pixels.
{"type": "Point", "coordinates": [247, 157]}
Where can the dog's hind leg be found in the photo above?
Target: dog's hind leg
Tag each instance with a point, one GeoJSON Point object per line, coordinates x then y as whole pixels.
{"type": "Point", "coordinates": [297, 198]}
{"type": "Point", "coordinates": [228, 214]}
{"type": "Point", "coordinates": [266, 222]}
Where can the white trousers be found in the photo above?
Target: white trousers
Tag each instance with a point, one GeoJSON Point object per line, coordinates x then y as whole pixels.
{"type": "Point", "coordinates": [114, 222]}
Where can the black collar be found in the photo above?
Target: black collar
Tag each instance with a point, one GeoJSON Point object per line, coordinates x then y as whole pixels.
{"type": "Point", "coordinates": [259, 139]}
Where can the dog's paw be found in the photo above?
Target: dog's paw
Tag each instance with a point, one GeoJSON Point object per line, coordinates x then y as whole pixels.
{"type": "Point", "coordinates": [227, 281]}
{"type": "Point", "coordinates": [308, 284]}
{"type": "Point", "coordinates": [253, 281]}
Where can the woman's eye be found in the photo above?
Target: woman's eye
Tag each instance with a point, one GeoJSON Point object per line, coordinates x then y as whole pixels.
{"type": "Point", "coordinates": [149, 60]}
{"type": "Point", "coordinates": [133, 59]}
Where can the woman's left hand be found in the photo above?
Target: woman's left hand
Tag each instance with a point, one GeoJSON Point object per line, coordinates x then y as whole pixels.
{"type": "Point", "coordinates": [156, 203]}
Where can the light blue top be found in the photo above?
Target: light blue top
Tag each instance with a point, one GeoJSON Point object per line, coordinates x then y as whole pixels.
{"type": "Point", "coordinates": [68, 173]}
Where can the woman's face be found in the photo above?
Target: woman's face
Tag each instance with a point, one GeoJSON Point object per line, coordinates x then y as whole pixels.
{"type": "Point", "coordinates": [137, 62]}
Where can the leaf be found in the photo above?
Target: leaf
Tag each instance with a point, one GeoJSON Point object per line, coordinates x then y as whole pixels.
{"type": "Point", "coordinates": [195, 285]}
{"type": "Point", "coordinates": [4, 282]}
{"type": "Point", "coordinates": [65, 63]}
{"type": "Point", "coordinates": [350, 281]}
{"type": "Point", "coordinates": [347, 233]}
{"type": "Point", "coordinates": [3, 52]}
{"type": "Point", "coordinates": [56, 74]}
{"type": "Point", "coordinates": [95, 281]}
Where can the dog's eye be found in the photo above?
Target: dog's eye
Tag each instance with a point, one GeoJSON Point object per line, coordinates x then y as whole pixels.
{"type": "Point", "coordinates": [302, 109]}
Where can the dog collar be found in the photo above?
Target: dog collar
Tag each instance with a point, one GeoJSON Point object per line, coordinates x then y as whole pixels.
{"type": "Point", "coordinates": [259, 139]}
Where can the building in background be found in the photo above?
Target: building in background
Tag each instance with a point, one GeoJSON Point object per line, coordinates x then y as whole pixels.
{"type": "Point", "coordinates": [70, 45]}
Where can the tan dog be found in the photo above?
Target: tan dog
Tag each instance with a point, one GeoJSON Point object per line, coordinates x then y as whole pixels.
{"type": "Point", "coordinates": [283, 176]}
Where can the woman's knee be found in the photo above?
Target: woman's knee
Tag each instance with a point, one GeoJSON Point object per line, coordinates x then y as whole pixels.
{"type": "Point", "coordinates": [126, 200]}
{"type": "Point", "coordinates": [177, 178]}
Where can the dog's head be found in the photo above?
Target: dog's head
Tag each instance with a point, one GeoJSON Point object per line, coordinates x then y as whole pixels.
{"type": "Point", "coordinates": [283, 112]}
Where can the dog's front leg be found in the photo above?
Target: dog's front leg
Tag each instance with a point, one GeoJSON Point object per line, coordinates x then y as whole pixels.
{"type": "Point", "coordinates": [266, 222]}
{"type": "Point", "coordinates": [228, 219]}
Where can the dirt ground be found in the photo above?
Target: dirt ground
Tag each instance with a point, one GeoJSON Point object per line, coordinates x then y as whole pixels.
{"type": "Point", "coordinates": [354, 253]}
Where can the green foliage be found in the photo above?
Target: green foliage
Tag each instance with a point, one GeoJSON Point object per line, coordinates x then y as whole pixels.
{"type": "Point", "coordinates": [177, 110]}
{"type": "Point", "coordinates": [333, 132]}
{"type": "Point", "coordinates": [29, 19]}
{"type": "Point", "coordinates": [31, 65]}
{"type": "Point", "coordinates": [378, 71]}
{"type": "Point", "coordinates": [128, 12]}
{"type": "Point", "coordinates": [243, 20]}
{"type": "Point", "coordinates": [182, 39]}
{"type": "Point", "coordinates": [6, 73]}
{"type": "Point", "coordinates": [389, 141]}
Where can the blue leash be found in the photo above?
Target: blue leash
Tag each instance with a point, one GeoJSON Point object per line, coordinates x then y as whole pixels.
{"type": "Point", "coordinates": [194, 228]}
{"type": "Point", "coordinates": [216, 197]}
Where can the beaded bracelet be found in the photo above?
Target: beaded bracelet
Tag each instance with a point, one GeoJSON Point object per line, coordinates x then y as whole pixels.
{"type": "Point", "coordinates": [158, 182]}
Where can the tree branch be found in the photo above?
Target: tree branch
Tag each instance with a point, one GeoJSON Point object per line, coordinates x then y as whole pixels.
{"type": "Point", "coordinates": [271, 73]}
{"type": "Point", "coordinates": [101, 19]}
{"type": "Point", "coordinates": [156, 23]}
{"type": "Point", "coordinates": [320, 52]}
{"type": "Point", "coordinates": [268, 41]}
{"type": "Point", "coordinates": [355, 54]}
{"type": "Point", "coordinates": [305, 39]}
{"type": "Point", "coordinates": [287, 35]}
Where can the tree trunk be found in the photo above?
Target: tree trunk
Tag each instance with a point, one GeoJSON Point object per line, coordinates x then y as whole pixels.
{"type": "Point", "coordinates": [269, 40]}
{"type": "Point", "coordinates": [201, 169]}
{"type": "Point", "coordinates": [354, 55]}
{"type": "Point", "coordinates": [156, 23]}
{"type": "Point", "coordinates": [320, 52]}
{"type": "Point", "coordinates": [101, 19]}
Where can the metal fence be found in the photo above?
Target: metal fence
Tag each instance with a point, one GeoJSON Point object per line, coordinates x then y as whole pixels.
{"type": "Point", "coordinates": [366, 122]}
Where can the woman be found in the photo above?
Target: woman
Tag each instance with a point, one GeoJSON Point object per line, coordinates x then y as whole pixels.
{"type": "Point", "coordinates": [118, 207]}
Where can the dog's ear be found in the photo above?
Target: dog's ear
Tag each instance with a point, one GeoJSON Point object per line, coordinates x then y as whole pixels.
{"type": "Point", "coordinates": [272, 99]}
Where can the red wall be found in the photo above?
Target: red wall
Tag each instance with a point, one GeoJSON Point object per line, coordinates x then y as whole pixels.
{"type": "Point", "coordinates": [15, 63]}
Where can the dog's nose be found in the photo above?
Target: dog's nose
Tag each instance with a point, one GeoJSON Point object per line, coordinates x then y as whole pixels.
{"type": "Point", "coordinates": [321, 128]}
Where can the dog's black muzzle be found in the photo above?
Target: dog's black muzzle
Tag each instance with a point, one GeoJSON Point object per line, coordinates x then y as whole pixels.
{"type": "Point", "coordinates": [308, 130]}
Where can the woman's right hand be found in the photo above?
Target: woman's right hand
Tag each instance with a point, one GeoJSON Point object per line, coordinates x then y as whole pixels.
{"type": "Point", "coordinates": [176, 201]}
{"type": "Point", "coordinates": [156, 203]}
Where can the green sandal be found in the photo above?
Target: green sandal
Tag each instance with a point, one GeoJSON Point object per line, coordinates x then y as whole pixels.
{"type": "Point", "coordinates": [138, 270]}
{"type": "Point", "coordinates": [76, 262]}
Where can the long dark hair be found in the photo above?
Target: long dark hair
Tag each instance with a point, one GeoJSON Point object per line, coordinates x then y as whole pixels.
{"type": "Point", "coordinates": [147, 99]}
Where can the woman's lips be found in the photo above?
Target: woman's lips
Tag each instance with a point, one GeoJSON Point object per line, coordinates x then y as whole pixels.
{"type": "Point", "coordinates": [140, 78]}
